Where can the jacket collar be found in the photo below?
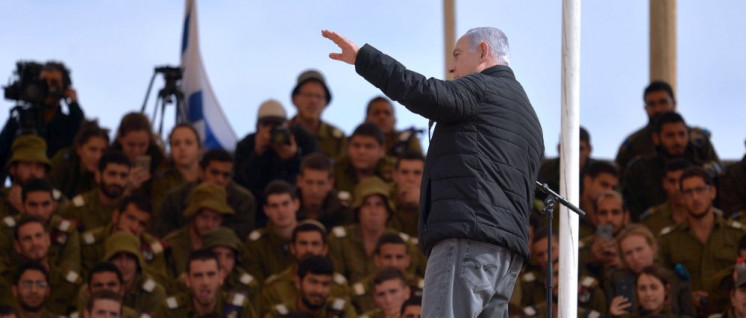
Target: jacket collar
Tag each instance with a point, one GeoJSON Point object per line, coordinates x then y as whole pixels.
{"type": "Point", "coordinates": [499, 71]}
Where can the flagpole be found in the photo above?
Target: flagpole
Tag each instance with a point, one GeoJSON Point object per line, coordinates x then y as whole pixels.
{"type": "Point", "coordinates": [569, 159]}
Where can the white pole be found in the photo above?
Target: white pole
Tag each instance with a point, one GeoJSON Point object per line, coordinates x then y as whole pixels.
{"type": "Point", "coordinates": [569, 158]}
{"type": "Point", "coordinates": [449, 33]}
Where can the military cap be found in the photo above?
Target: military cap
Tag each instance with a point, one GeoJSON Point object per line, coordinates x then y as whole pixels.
{"type": "Point", "coordinates": [312, 75]}
{"type": "Point", "coordinates": [208, 195]}
{"type": "Point", "coordinates": [123, 242]}
{"type": "Point", "coordinates": [371, 186]}
{"type": "Point", "coordinates": [221, 236]}
{"type": "Point", "coordinates": [30, 148]}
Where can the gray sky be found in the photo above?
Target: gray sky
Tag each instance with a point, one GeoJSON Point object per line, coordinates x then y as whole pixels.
{"type": "Point", "coordinates": [253, 50]}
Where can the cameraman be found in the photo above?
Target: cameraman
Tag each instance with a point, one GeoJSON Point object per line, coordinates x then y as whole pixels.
{"type": "Point", "coordinates": [273, 152]}
{"type": "Point", "coordinates": [57, 128]}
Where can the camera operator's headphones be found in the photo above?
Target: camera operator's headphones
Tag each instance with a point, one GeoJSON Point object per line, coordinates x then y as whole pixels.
{"type": "Point", "coordinates": [59, 66]}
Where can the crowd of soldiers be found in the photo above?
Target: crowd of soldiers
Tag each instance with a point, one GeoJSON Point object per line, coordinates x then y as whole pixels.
{"type": "Point", "coordinates": [303, 221]}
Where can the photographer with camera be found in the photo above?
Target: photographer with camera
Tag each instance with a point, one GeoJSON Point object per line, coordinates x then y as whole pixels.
{"type": "Point", "coordinates": [274, 151]}
{"type": "Point", "coordinates": [39, 91]}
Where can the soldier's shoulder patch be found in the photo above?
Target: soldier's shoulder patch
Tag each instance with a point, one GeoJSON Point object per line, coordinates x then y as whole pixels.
{"type": "Point", "coordinates": [255, 235]}
{"type": "Point", "coordinates": [358, 289]}
{"type": "Point", "coordinates": [363, 316]}
{"type": "Point", "coordinates": [404, 236]}
{"type": "Point", "coordinates": [246, 279]}
{"type": "Point", "coordinates": [89, 238]}
{"type": "Point", "coordinates": [647, 214]}
{"type": "Point", "coordinates": [339, 279]}
{"type": "Point", "coordinates": [65, 225]}
{"type": "Point", "coordinates": [666, 230]}
{"type": "Point", "coordinates": [148, 285]}
{"type": "Point", "coordinates": [281, 309]}
{"type": "Point", "coordinates": [588, 281]}
{"type": "Point", "coordinates": [238, 299]}
{"type": "Point", "coordinates": [9, 221]}
{"type": "Point", "coordinates": [56, 194]}
{"type": "Point", "coordinates": [593, 314]}
{"type": "Point", "coordinates": [405, 135]}
{"type": "Point", "coordinates": [530, 311]}
{"type": "Point", "coordinates": [73, 314]}
{"type": "Point", "coordinates": [529, 277]}
{"type": "Point", "coordinates": [344, 196]}
{"type": "Point", "coordinates": [272, 278]}
{"type": "Point", "coordinates": [144, 315]}
{"type": "Point", "coordinates": [172, 302]}
{"type": "Point", "coordinates": [78, 201]}
{"type": "Point", "coordinates": [337, 133]}
{"type": "Point", "coordinates": [156, 247]}
{"type": "Point", "coordinates": [72, 277]}
{"type": "Point", "coordinates": [339, 231]}
{"type": "Point", "coordinates": [734, 224]}
{"type": "Point", "coordinates": [421, 283]}
{"type": "Point", "coordinates": [338, 304]}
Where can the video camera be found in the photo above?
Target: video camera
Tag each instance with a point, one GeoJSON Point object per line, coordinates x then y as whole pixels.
{"type": "Point", "coordinates": [29, 87]}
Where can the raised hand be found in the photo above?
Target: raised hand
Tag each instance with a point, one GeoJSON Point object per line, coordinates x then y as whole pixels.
{"type": "Point", "coordinates": [349, 49]}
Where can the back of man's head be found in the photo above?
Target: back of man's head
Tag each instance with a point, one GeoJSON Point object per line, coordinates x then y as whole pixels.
{"type": "Point", "coordinates": [496, 39]}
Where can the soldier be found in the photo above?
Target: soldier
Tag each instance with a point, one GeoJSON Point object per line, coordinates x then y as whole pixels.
{"type": "Point", "coordinates": [737, 306]}
{"type": "Point", "coordinates": [380, 111]}
{"type": "Point", "coordinates": [267, 248]}
{"type": "Point", "coordinates": [706, 243]}
{"type": "Point", "coordinates": [309, 238]}
{"type": "Point", "coordinates": [105, 277]}
{"type": "Point", "coordinates": [38, 201]}
{"type": "Point", "coordinates": [31, 290]}
{"type": "Point", "coordinates": [94, 208]}
{"type": "Point", "coordinates": [133, 216]}
{"type": "Point", "coordinates": [732, 185]}
{"type": "Point", "coordinates": [318, 199]}
{"type": "Point", "coordinates": [599, 252]}
{"type": "Point", "coordinates": [365, 158]}
{"type": "Point", "coordinates": [641, 183]}
{"type": "Point", "coordinates": [141, 290]}
{"type": "Point", "coordinates": [659, 98]}
{"type": "Point", "coordinates": [29, 161]}
{"type": "Point", "coordinates": [390, 291]}
{"type": "Point", "coordinates": [105, 304]}
{"type": "Point", "coordinates": [351, 248]}
{"type": "Point", "coordinates": [591, 300]}
{"type": "Point", "coordinates": [673, 211]}
{"type": "Point", "coordinates": [313, 282]}
{"type": "Point", "coordinates": [204, 277]}
{"type": "Point", "coordinates": [207, 207]}
{"type": "Point", "coordinates": [182, 165]}
{"type": "Point", "coordinates": [215, 167]}
{"type": "Point", "coordinates": [311, 96]}
{"type": "Point", "coordinates": [391, 251]}
{"type": "Point", "coordinates": [31, 242]}
{"type": "Point", "coordinates": [412, 308]}
{"type": "Point", "coordinates": [405, 193]}
{"type": "Point", "coordinates": [73, 169]}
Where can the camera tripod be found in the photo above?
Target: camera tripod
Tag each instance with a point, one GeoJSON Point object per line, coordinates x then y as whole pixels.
{"type": "Point", "coordinates": [167, 95]}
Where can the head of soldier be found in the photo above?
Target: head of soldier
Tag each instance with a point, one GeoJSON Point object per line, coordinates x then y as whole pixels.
{"type": "Point", "coordinates": [315, 180]}
{"type": "Point", "coordinates": [313, 281]}
{"type": "Point", "coordinates": [31, 239]}
{"type": "Point", "coordinates": [31, 286]}
{"type": "Point", "coordinates": [104, 304]}
{"type": "Point", "coordinates": [124, 251]}
{"type": "Point", "coordinates": [372, 205]}
{"type": "Point", "coordinates": [90, 143]}
{"type": "Point", "coordinates": [658, 98]}
{"type": "Point", "coordinates": [311, 95]}
{"type": "Point", "coordinates": [412, 308]}
{"type": "Point", "coordinates": [105, 276]}
{"type": "Point", "coordinates": [226, 246]}
{"type": "Point", "coordinates": [380, 111]}
{"type": "Point", "coordinates": [584, 147]}
{"type": "Point", "coordinates": [408, 170]}
{"type": "Point", "coordinates": [653, 288]}
{"type": "Point", "coordinates": [601, 176]}
{"type": "Point", "coordinates": [216, 166]}
{"type": "Point", "coordinates": [479, 49]}
{"type": "Point", "coordinates": [638, 247]}
{"type": "Point", "coordinates": [738, 293]}
{"type": "Point", "coordinates": [185, 146]}
{"type": "Point", "coordinates": [698, 191]}
{"type": "Point", "coordinates": [113, 174]}
{"type": "Point", "coordinates": [134, 135]}
{"type": "Point", "coordinates": [204, 277]}
{"type": "Point", "coordinates": [281, 204]}
{"type": "Point", "coordinates": [365, 148]}
{"type": "Point", "coordinates": [392, 251]}
{"type": "Point", "coordinates": [38, 199]}
{"type": "Point", "coordinates": [390, 291]}
{"type": "Point", "coordinates": [672, 173]}
{"type": "Point", "coordinates": [132, 215]}
{"type": "Point", "coordinates": [28, 159]}
{"type": "Point", "coordinates": [539, 249]}
{"type": "Point", "coordinates": [309, 238]}
{"type": "Point", "coordinates": [611, 209]}
{"type": "Point", "coordinates": [208, 205]}
{"type": "Point", "coordinates": [57, 77]}
{"type": "Point", "coordinates": [670, 134]}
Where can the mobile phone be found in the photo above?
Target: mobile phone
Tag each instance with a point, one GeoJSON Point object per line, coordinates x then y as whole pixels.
{"type": "Point", "coordinates": [625, 286]}
{"type": "Point", "coordinates": [605, 231]}
{"type": "Point", "coordinates": [143, 161]}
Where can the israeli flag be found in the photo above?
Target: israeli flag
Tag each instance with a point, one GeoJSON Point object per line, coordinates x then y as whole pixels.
{"type": "Point", "coordinates": [202, 108]}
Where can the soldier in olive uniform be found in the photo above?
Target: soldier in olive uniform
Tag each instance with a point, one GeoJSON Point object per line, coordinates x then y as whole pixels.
{"type": "Point", "coordinates": [309, 238]}
{"type": "Point", "coordinates": [94, 208]}
{"type": "Point", "coordinates": [38, 201]}
{"type": "Point", "coordinates": [204, 278]}
{"type": "Point", "coordinates": [659, 98]}
{"type": "Point", "coordinates": [313, 282]}
{"type": "Point", "coordinates": [206, 210]}
{"type": "Point", "coordinates": [732, 185]}
{"type": "Point", "coordinates": [706, 243]}
{"type": "Point", "coordinates": [29, 161]}
{"type": "Point", "coordinates": [133, 216]}
{"type": "Point", "coordinates": [405, 193]}
{"type": "Point", "coordinates": [673, 211]}
{"type": "Point", "coordinates": [215, 166]}
{"type": "Point", "coordinates": [380, 111]}
{"type": "Point", "coordinates": [107, 303]}
{"type": "Point", "coordinates": [105, 277]}
{"type": "Point", "coordinates": [318, 200]}
{"type": "Point", "coordinates": [141, 290]}
{"type": "Point", "coordinates": [351, 248]}
{"type": "Point", "coordinates": [181, 166]}
{"type": "Point", "coordinates": [591, 298]}
{"type": "Point", "coordinates": [641, 183]}
{"type": "Point", "coordinates": [267, 251]}
{"type": "Point", "coordinates": [31, 289]}
{"type": "Point", "coordinates": [390, 291]}
{"type": "Point", "coordinates": [365, 158]}
{"type": "Point", "coordinates": [311, 96]}
{"type": "Point", "coordinates": [599, 252]}
{"type": "Point", "coordinates": [73, 169]}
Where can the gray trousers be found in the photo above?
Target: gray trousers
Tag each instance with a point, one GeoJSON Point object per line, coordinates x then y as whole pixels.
{"type": "Point", "coordinates": [466, 278]}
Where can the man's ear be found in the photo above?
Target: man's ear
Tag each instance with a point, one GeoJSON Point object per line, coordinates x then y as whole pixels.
{"type": "Point", "coordinates": [484, 50]}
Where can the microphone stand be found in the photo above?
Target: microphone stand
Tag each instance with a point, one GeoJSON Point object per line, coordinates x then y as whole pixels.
{"type": "Point", "coordinates": [549, 203]}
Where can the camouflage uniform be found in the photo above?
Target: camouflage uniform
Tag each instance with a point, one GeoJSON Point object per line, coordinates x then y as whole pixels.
{"type": "Point", "coordinates": [281, 288]}
{"type": "Point", "coordinates": [88, 211]}
{"type": "Point", "coordinates": [229, 305]}
{"type": "Point", "coordinates": [334, 307]}
{"type": "Point", "coordinates": [64, 251]}
{"type": "Point", "coordinates": [266, 254]}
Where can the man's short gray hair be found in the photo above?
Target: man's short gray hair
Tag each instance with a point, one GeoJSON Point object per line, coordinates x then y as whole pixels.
{"type": "Point", "coordinates": [496, 39]}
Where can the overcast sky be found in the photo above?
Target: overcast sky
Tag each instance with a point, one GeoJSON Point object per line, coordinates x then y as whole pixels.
{"type": "Point", "coordinates": [254, 50]}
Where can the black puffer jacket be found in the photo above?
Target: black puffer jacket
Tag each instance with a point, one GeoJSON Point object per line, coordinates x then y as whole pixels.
{"type": "Point", "coordinates": [484, 155]}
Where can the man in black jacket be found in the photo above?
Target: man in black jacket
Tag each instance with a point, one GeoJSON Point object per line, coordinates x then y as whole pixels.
{"type": "Point", "coordinates": [478, 183]}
